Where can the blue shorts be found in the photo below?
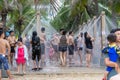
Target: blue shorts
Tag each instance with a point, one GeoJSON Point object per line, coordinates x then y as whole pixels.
{"type": "Point", "coordinates": [3, 62]}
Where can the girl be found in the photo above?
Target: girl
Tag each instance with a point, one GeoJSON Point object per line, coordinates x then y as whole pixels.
{"type": "Point", "coordinates": [51, 53]}
{"type": "Point", "coordinates": [21, 55]}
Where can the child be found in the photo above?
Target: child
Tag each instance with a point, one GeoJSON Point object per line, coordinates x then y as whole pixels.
{"type": "Point", "coordinates": [51, 52]}
{"type": "Point", "coordinates": [21, 55]}
{"type": "Point", "coordinates": [112, 51]}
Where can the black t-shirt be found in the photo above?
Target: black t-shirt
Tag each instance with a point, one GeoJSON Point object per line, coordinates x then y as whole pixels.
{"type": "Point", "coordinates": [88, 43]}
{"type": "Point", "coordinates": [35, 41]}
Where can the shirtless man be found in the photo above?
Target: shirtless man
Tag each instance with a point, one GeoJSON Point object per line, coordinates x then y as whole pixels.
{"type": "Point", "coordinates": [42, 44]}
{"type": "Point", "coordinates": [12, 42]}
{"type": "Point", "coordinates": [71, 46]}
{"type": "Point", "coordinates": [55, 42]}
{"type": "Point", "coordinates": [3, 60]}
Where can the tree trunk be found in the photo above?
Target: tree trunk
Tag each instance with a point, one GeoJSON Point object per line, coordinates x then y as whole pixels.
{"type": "Point", "coordinates": [96, 6]}
{"type": "Point", "coordinates": [4, 17]}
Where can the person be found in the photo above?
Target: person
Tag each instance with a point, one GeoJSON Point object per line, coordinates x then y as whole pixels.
{"type": "Point", "coordinates": [55, 42]}
{"type": "Point", "coordinates": [21, 55]}
{"type": "Point", "coordinates": [116, 77]}
{"type": "Point", "coordinates": [76, 43]}
{"type": "Point", "coordinates": [70, 46]}
{"type": "Point", "coordinates": [36, 50]}
{"type": "Point", "coordinates": [3, 60]}
{"type": "Point", "coordinates": [12, 42]}
{"type": "Point", "coordinates": [42, 44]}
{"type": "Point", "coordinates": [51, 53]}
{"type": "Point", "coordinates": [89, 47]}
{"type": "Point", "coordinates": [113, 52]}
{"type": "Point", "coordinates": [113, 72]}
{"type": "Point", "coordinates": [26, 41]}
{"type": "Point", "coordinates": [63, 47]}
{"type": "Point", "coordinates": [80, 43]}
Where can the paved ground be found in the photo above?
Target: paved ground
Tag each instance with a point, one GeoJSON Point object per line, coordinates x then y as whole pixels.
{"type": "Point", "coordinates": [60, 73]}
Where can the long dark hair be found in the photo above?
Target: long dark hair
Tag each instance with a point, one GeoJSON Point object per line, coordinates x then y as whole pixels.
{"type": "Point", "coordinates": [85, 35]}
{"type": "Point", "coordinates": [34, 34]}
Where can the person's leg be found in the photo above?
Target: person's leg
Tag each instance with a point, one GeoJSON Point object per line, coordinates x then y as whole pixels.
{"type": "Point", "coordinates": [39, 59]}
{"type": "Point", "coordinates": [61, 58]}
{"type": "Point", "coordinates": [11, 59]}
{"type": "Point", "coordinates": [87, 60]}
{"type": "Point", "coordinates": [23, 68]}
{"type": "Point", "coordinates": [6, 67]}
{"type": "Point", "coordinates": [34, 59]}
{"type": "Point", "coordinates": [18, 68]}
{"type": "Point", "coordinates": [0, 75]}
{"type": "Point", "coordinates": [105, 75]}
{"type": "Point", "coordinates": [64, 58]}
{"type": "Point", "coordinates": [9, 74]}
{"type": "Point", "coordinates": [80, 55]}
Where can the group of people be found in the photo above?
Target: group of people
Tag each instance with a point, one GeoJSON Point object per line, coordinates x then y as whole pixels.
{"type": "Point", "coordinates": [67, 43]}
{"type": "Point", "coordinates": [60, 46]}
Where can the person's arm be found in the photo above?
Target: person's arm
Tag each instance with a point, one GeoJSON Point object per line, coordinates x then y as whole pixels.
{"type": "Point", "coordinates": [110, 63]}
{"type": "Point", "coordinates": [8, 47]}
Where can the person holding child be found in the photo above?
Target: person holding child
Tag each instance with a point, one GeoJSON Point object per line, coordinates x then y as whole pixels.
{"type": "Point", "coordinates": [113, 52]}
{"type": "Point", "coordinates": [114, 65]}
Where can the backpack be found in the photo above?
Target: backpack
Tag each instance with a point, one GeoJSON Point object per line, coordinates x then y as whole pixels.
{"type": "Point", "coordinates": [36, 43]}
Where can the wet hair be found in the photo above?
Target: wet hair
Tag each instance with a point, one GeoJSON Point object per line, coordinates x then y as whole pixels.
{"type": "Point", "coordinates": [111, 37]}
{"type": "Point", "coordinates": [85, 34]}
{"type": "Point", "coordinates": [64, 32]}
{"type": "Point", "coordinates": [42, 29]}
{"type": "Point", "coordinates": [61, 29]}
{"type": "Point", "coordinates": [81, 34]}
{"type": "Point", "coordinates": [11, 31]}
{"type": "Point", "coordinates": [34, 33]}
{"type": "Point", "coordinates": [20, 39]}
{"type": "Point", "coordinates": [115, 30]}
{"type": "Point", "coordinates": [1, 32]}
{"type": "Point", "coordinates": [70, 32]}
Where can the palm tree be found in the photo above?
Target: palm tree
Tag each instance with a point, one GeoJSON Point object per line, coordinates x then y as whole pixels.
{"type": "Point", "coordinates": [22, 15]}
{"type": "Point", "coordinates": [5, 8]}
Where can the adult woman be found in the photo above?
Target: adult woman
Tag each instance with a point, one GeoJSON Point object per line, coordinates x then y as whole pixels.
{"type": "Point", "coordinates": [63, 48]}
{"type": "Point", "coordinates": [113, 71]}
{"type": "Point", "coordinates": [89, 47]}
{"type": "Point", "coordinates": [80, 43]}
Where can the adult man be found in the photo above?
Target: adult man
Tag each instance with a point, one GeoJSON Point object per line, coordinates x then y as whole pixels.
{"type": "Point", "coordinates": [42, 44]}
{"type": "Point", "coordinates": [12, 42]}
{"type": "Point", "coordinates": [71, 46]}
{"type": "Point", "coordinates": [3, 60]}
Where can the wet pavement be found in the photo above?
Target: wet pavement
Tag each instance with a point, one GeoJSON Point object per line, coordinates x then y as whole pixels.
{"type": "Point", "coordinates": [61, 73]}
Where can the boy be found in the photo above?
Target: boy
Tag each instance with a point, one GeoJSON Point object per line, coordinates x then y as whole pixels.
{"type": "Point", "coordinates": [113, 52]}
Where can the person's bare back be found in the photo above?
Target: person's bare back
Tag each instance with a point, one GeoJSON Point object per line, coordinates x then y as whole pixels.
{"type": "Point", "coordinates": [4, 46]}
{"type": "Point", "coordinates": [42, 38]}
{"type": "Point", "coordinates": [71, 40]}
